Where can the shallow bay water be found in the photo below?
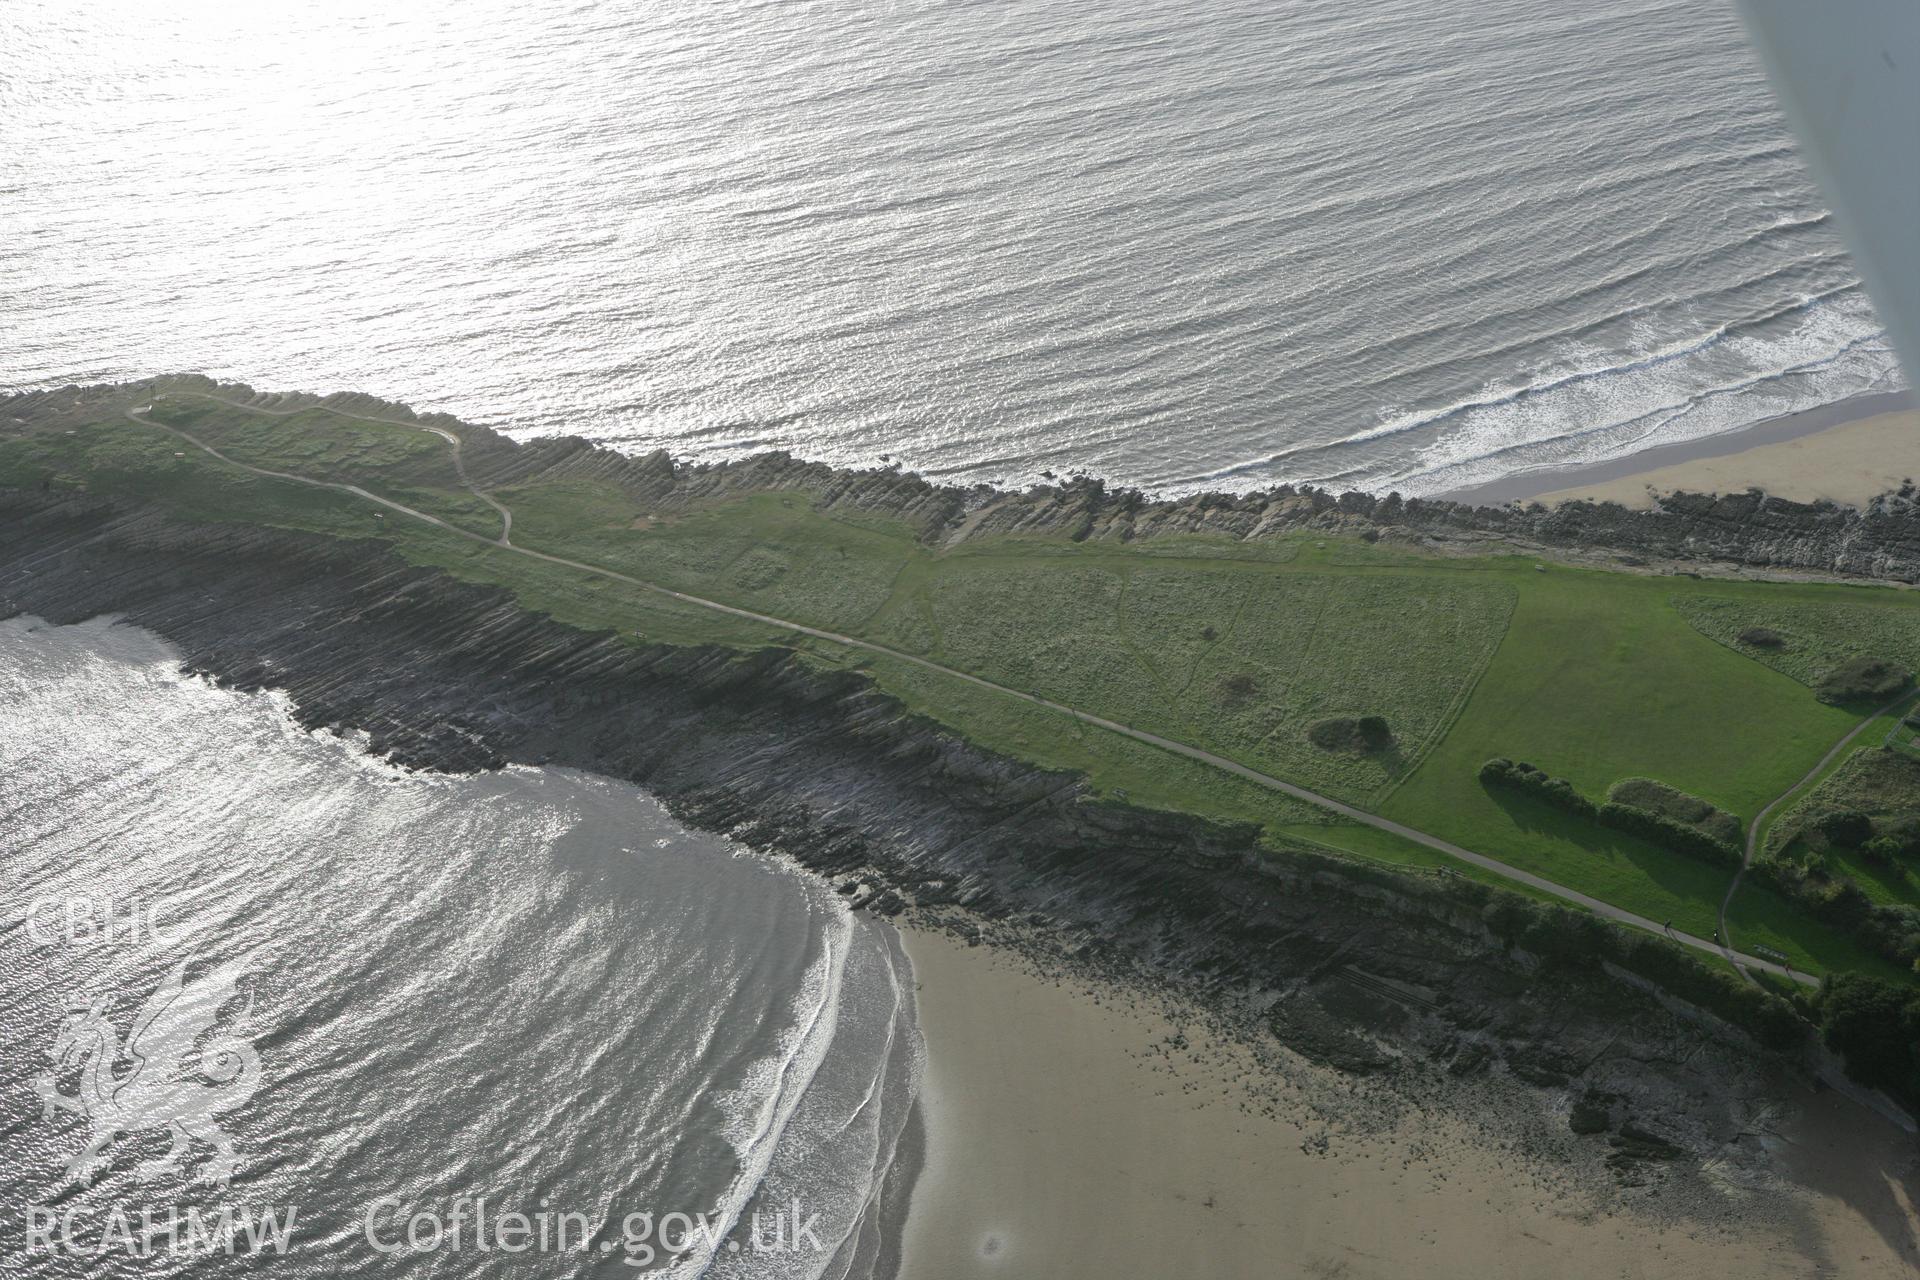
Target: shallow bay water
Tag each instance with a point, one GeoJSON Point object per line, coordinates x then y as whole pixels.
{"type": "Point", "coordinates": [531, 987]}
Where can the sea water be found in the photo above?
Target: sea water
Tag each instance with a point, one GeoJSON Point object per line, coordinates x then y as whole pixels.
{"type": "Point", "coordinates": [1415, 244]}
{"type": "Point", "coordinates": [531, 988]}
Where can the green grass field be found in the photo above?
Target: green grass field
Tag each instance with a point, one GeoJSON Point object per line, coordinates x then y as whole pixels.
{"type": "Point", "coordinates": [316, 443]}
{"type": "Point", "coordinates": [1237, 648]}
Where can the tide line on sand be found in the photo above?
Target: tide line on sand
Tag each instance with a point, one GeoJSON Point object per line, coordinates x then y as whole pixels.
{"type": "Point", "coordinates": [1849, 452]}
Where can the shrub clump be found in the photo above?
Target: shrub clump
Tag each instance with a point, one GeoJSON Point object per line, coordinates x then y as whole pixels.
{"type": "Point", "coordinates": [1762, 638]}
{"type": "Point", "coordinates": [1863, 680]}
{"type": "Point", "coordinates": [1538, 783]}
{"type": "Point", "coordinates": [1239, 687]}
{"type": "Point", "coordinates": [1901, 832]}
{"type": "Point", "coordinates": [1659, 829]}
{"type": "Point", "coordinates": [1668, 802]}
{"type": "Point", "coordinates": [1848, 828]}
{"type": "Point", "coordinates": [1364, 735]}
{"type": "Point", "coordinates": [1885, 850]}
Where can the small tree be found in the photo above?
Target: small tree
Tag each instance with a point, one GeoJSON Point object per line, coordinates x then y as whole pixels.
{"type": "Point", "coordinates": [1848, 828]}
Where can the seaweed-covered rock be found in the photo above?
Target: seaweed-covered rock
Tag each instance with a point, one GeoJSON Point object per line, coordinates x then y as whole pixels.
{"type": "Point", "coordinates": [1590, 1114]}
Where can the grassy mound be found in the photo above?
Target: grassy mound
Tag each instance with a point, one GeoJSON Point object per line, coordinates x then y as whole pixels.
{"type": "Point", "coordinates": [1677, 806]}
{"type": "Point", "coordinates": [1666, 834]}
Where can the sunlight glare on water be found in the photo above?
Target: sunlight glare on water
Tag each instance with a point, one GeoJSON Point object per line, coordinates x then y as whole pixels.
{"type": "Point", "coordinates": [1220, 244]}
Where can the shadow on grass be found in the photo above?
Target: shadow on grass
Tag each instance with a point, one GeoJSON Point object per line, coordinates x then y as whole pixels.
{"type": "Point", "coordinates": [1393, 760]}
{"type": "Point", "coordinates": [1760, 915]}
{"type": "Point", "coordinates": [1674, 872]}
{"type": "Point", "coordinates": [1891, 880]}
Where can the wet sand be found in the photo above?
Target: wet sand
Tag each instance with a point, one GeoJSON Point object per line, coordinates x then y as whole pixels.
{"type": "Point", "coordinates": [1848, 453]}
{"type": "Point", "coordinates": [1065, 1139]}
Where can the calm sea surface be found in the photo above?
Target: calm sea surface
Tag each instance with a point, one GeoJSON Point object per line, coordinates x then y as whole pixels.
{"type": "Point", "coordinates": [531, 987]}
{"type": "Point", "coordinates": [1410, 244]}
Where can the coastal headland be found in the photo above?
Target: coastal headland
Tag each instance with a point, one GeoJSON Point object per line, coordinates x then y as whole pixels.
{"type": "Point", "coordinates": [1049, 721]}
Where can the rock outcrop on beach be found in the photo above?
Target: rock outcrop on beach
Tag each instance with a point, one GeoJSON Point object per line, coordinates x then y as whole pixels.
{"type": "Point", "coordinates": [1411, 980]}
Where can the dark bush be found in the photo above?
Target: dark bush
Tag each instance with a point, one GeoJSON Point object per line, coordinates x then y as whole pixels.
{"type": "Point", "coordinates": [1904, 831]}
{"type": "Point", "coordinates": [1677, 837]}
{"type": "Point", "coordinates": [1840, 902]}
{"type": "Point", "coordinates": [1538, 783]}
{"type": "Point", "coordinates": [1863, 680]}
{"type": "Point", "coordinates": [1375, 732]}
{"type": "Point", "coordinates": [1365, 735]}
{"type": "Point", "coordinates": [1848, 828]}
{"type": "Point", "coordinates": [1763, 638]}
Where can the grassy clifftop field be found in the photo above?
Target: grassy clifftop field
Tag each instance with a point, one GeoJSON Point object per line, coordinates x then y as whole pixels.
{"type": "Point", "coordinates": [1378, 676]}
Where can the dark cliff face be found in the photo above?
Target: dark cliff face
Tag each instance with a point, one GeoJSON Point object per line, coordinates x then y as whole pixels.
{"type": "Point", "coordinates": [1367, 971]}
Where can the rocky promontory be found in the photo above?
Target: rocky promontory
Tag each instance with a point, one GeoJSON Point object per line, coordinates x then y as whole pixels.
{"type": "Point", "coordinates": [1442, 988]}
{"type": "Point", "coordinates": [1601, 1047]}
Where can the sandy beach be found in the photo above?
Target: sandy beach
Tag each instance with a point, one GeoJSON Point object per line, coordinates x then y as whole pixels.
{"type": "Point", "coordinates": [1067, 1138]}
{"type": "Point", "coordinates": [1848, 453]}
